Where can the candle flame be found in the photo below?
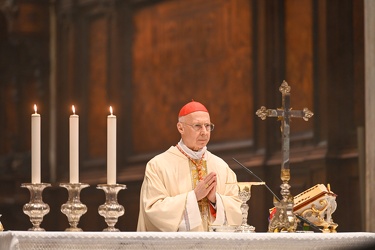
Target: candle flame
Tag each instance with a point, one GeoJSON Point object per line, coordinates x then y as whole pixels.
{"type": "Point", "coordinates": [111, 110]}
{"type": "Point", "coordinates": [35, 109]}
{"type": "Point", "coordinates": [73, 109]}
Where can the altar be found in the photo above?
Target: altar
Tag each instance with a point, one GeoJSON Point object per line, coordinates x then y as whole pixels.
{"type": "Point", "coordinates": [19, 240]}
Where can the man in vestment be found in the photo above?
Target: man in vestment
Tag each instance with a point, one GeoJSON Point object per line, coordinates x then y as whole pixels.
{"type": "Point", "coordinates": [187, 188]}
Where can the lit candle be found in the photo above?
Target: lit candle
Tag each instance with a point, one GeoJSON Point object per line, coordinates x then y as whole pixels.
{"type": "Point", "coordinates": [111, 148]}
{"type": "Point", "coordinates": [35, 147]}
{"type": "Point", "coordinates": [74, 146]}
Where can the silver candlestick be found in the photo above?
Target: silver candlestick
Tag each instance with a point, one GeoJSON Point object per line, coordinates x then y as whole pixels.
{"type": "Point", "coordinates": [1, 226]}
{"type": "Point", "coordinates": [36, 209]}
{"type": "Point", "coordinates": [245, 195]}
{"type": "Point", "coordinates": [74, 208]}
{"type": "Point", "coordinates": [111, 210]}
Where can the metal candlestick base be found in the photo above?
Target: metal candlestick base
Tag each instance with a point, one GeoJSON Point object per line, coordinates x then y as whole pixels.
{"type": "Point", "coordinates": [1, 226]}
{"type": "Point", "coordinates": [74, 208]}
{"type": "Point", "coordinates": [111, 210]}
{"type": "Point", "coordinates": [36, 209]}
{"type": "Point", "coordinates": [245, 194]}
{"type": "Point", "coordinates": [284, 219]}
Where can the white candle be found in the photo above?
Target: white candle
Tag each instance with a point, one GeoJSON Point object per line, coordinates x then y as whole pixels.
{"type": "Point", "coordinates": [35, 147]}
{"type": "Point", "coordinates": [111, 148]}
{"type": "Point", "coordinates": [73, 147]}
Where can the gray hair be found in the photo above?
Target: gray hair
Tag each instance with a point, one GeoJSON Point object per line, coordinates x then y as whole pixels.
{"type": "Point", "coordinates": [181, 119]}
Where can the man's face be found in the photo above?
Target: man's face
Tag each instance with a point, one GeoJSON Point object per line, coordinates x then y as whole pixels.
{"type": "Point", "coordinates": [193, 131]}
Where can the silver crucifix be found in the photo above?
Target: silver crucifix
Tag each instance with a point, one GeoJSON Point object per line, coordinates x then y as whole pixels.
{"type": "Point", "coordinates": [284, 219]}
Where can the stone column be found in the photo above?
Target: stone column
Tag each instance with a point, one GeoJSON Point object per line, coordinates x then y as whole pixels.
{"type": "Point", "coordinates": [369, 24]}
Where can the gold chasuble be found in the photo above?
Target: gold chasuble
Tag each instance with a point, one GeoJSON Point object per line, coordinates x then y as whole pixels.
{"type": "Point", "coordinates": [170, 177]}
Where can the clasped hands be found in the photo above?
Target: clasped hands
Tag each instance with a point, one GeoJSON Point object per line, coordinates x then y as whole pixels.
{"type": "Point", "coordinates": [207, 188]}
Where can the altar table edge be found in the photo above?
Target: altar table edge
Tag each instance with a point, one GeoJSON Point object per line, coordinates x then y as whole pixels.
{"type": "Point", "coordinates": [12, 240]}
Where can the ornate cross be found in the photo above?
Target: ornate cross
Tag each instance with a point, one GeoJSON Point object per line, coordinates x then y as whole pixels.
{"type": "Point", "coordinates": [284, 114]}
{"type": "Point", "coordinates": [284, 219]}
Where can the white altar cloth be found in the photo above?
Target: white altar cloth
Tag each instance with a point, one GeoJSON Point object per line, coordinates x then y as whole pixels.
{"type": "Point", "coordinates": [19, 240]}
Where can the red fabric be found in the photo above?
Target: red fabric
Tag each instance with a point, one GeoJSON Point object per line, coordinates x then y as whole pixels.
{"type": "Point", "coordinates": [191, 107]}
{"type": "Point", "coordinates": [272, 213]}
{"type": "Point", "coordinates": [212, 210]}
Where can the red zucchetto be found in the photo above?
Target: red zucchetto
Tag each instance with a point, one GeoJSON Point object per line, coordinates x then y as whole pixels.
{"type": "Point", "coordinates": [191, 107]}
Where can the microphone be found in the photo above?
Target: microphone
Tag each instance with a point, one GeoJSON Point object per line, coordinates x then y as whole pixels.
{"type": "Point", "coordinates": [277, 198]}
{"type": "Point", "coordinates": [265, 184]}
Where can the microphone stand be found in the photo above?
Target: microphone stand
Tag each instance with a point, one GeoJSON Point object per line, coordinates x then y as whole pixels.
{"type": "Point", "coordinates": [277, 198]}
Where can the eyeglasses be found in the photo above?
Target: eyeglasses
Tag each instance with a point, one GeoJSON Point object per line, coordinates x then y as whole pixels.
{"type": "Point", "coordinates": [197, 127]}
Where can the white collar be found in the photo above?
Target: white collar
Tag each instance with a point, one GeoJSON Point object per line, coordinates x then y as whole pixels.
{"type": "Point", "coordinates": [193, 154]}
